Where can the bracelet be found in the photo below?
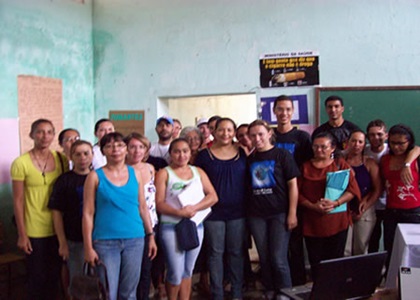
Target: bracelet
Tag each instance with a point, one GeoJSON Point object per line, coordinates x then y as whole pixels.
{"type": "Point", "coordinates": [338, 203]}
{"type": "Point", "coordinates": [150, 234]}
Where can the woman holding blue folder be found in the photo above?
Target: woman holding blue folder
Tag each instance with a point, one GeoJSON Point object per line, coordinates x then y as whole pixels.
{"type": "Point", "coordinates": [325, 221]}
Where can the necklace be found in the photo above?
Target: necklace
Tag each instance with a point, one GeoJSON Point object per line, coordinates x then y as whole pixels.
{"type": "Point", "coordinates": [45, 165]}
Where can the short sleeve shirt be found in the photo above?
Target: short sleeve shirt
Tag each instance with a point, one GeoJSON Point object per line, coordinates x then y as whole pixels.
{"type": "Point", "coordinates": [38, 188]}
{"type": "Point", "coordinates": [67, 197]}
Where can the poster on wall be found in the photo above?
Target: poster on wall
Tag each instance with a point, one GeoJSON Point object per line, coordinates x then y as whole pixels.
{"type": "Point", "coordinates": [39, 97]}
{"type": "Point", "coordinates": [300, 113]}
{"type": "Point", "coordinates": [127, 121]}
{"type": "Point", "coordinates": [298, 68]}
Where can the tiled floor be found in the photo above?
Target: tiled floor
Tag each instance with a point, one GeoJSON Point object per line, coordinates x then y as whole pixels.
{"type": "Point", "coordinates": [17, 289]}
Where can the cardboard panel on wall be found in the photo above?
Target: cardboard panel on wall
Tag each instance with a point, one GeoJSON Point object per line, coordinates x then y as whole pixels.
{"type": "Point", "coordinates": [38, 97]}
{"type": "Point", "coordinates": [127, 121]}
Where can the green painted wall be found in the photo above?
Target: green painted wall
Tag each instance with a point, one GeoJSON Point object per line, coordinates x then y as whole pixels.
{"type": "Point", "coordinates": [149, 49]}
{"type": "Point", "coordinates": [51, 39]}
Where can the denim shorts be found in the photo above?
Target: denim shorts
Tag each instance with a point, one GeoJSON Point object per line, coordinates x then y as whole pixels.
{"type": "Point", "coordinates": [180, 263]}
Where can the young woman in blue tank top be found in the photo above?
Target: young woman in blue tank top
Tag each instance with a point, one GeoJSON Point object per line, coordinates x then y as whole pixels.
{"type": "Point", "coordinates": [368, 180]}
{"type": "Point", "coordinates": [116, 219]}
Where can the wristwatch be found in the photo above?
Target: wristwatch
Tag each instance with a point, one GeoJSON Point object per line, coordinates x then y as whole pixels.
{"type": "Point", "coordinates": [407, 165]}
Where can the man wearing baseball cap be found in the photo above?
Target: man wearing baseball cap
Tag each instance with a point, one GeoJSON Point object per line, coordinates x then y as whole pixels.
{"type": "Point", "coordinates": [164, 128]}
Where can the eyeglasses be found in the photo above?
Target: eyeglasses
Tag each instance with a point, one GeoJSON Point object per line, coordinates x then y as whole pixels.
{"type": "Point", "coordinates": [114, 146]}
{"type": "Point", "coordinates": [398, 143]}
{"type": "Point", "coordinates": [322, 147]}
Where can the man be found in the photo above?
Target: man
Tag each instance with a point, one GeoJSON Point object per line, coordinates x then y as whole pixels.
{"type": "Point", "coordinates": [164, 129]}
{"type": "Point", "coordinates": [203, 126]}
{"type": "Point", "coordinates": [177, 129]}
{"type": "Point", "coordinates": [336, 124]}
{"type": "Point", "coordinates": [298, 143]}
{"type": "Point", "coordinates": [377, 135]}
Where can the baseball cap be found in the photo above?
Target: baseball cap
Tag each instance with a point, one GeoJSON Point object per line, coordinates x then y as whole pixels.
{"type": "Point", "coordinates": [165, 118]}
{"type": "Point", "coordinates": [202, 121]}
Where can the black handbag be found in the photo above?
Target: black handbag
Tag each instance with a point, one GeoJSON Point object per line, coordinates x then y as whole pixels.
{"type": "Point", "coordinates": [186, 234]}
{"type": "Point", "coordinates": [89, 285]}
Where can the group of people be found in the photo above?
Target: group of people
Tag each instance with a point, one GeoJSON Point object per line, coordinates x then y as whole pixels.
{"type": "Point", "coordinates": [118, 201]}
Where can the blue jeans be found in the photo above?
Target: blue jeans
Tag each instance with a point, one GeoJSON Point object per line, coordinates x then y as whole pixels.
{"type": "Point", "coordinates": [122, 258]}
{"type": "Point", "coordinates": [180, 263]}
{"type": "Point", "coordinates": [226, 236]}
{"type": "Point", "coordinates": [43, 269]}
{"type": "Point", "coordinates": [76, 259]}
{"type": "Point", "coordinates": [272, 240]}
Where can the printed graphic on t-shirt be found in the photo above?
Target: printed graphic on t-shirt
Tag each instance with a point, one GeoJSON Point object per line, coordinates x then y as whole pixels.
{"type": "Point", "coordinates": [287, 146]}
{"type": "Point", "coordinates": [403, 191]}
{"type": "Point", "coordinates": [263, 180]}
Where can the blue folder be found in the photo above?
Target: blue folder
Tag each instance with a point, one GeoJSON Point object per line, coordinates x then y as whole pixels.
{"type": "Point", "coordinates": [337, 183]}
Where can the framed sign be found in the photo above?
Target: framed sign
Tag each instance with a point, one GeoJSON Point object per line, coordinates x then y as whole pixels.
{"type": "Point", "coordinates": [300, 114]}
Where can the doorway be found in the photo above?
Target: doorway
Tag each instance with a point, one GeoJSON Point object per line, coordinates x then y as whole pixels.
{"type": "Point", "coordinates": [242, 108]}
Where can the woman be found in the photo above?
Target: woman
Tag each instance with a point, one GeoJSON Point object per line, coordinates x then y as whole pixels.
{"type": "Point", "coordinates": [403, 200]}
{"type": "Point", "coordinates": [194, 138]}
{"type": "Point", "coordinates": [271, 206]}
{"type": "Point", "coordinates": [243, 138]}
{"type": "Point", "coordinates": [369, 182]}
{"type": "Point", "coordinates": [170, 182]}
{"type": "Point", "coordinates": [102, 127]}
{"type": "Point", "coordinates": [116, 219]}
{"type": "Point", "coordinates": [325, 232]}
{"type": "Point", "coordinates": [65, 203]}
{"type": "Point", "coordinates": [225, 164]}
{"type": "Point", "coordinates": [33, 176]}
{"type": "Point", "coordinates": [66, 138]}
{"type": "Point", "coordinates": [137, 152]}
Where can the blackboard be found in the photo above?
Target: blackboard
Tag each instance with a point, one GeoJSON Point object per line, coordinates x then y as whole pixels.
{"type": "Point", "coordinates": [393, 105]}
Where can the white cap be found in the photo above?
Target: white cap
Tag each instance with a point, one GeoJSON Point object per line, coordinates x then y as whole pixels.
{"type": "Point", "coordinates": [202, 121]}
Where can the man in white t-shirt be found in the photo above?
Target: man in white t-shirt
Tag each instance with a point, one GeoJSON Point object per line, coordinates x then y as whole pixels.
{"type": "Point", "coordinates": [164, 129]}
{"type": "Point", "coordinates": [377, 135]}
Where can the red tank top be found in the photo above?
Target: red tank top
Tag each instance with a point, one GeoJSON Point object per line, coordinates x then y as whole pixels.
{"type": "Point", "coordinates": [400, 196]}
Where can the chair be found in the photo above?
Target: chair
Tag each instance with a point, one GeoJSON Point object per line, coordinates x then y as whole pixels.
{"type": "Point", "coordinates": [7, 260]}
